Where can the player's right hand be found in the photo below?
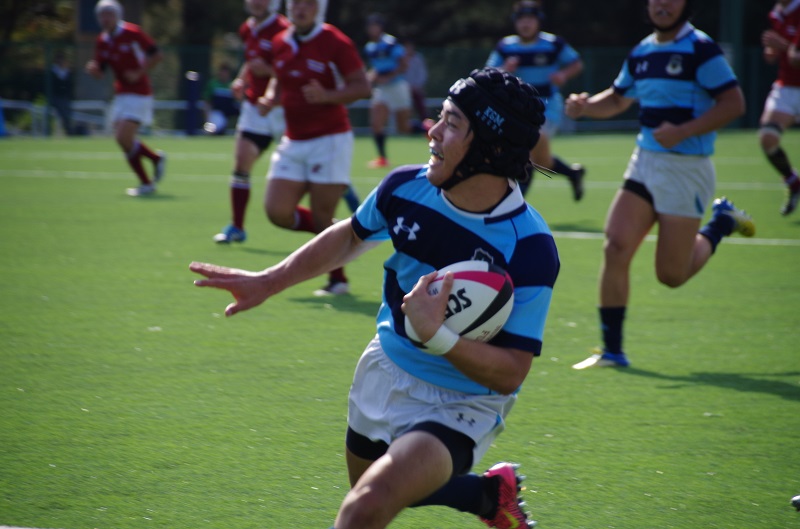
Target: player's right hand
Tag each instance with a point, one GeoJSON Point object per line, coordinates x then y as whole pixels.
{"type": "Point", "coordinates": [575, 105]}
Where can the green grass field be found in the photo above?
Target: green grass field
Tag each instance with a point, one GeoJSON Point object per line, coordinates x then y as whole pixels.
{"type": "Point", "coordinates": [127, 401]}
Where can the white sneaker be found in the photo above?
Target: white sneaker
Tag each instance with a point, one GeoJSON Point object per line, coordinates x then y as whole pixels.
{"type": "Point", "coordinates": [334, 288]}
{"type": "Point", "coordinates": [142, 190]}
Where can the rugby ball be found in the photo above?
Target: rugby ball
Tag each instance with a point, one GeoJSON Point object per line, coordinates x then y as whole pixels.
{"type": "Point", "coordinates": [480, 301]}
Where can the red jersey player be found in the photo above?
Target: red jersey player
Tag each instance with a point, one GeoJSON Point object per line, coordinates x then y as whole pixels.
{"type": "Point", "coordinates": [782, 107]}
{"type": "Point", "coordinates": [318, 71]}
{"type": "Point", "coordinates": [130, 53]}
{"type": "Point", "coordinates": [254, 133]}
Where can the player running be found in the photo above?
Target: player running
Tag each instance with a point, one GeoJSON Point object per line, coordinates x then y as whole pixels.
{"type": "Point", "coordinates": [254, 133]}
{"type": "Point", "coordinates": [130, 54]}
{"type": "Point", "coordinates": [547, 62]}
{"type": "Point", "coordinates": [686, 91]}
{"type": "Point", "coordinates": [782, 107]}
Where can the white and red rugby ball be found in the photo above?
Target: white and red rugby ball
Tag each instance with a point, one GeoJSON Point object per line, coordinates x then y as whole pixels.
{"type": "Point", "coordinates": [480, 301]}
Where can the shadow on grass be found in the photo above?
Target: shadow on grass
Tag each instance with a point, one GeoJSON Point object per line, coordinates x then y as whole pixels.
{"type": "Point", "coordinates": [735, 381]}
{"type": "Point", "coordinates": [346, 303]}
{"type": "Point", "coordinates": [588, 227]}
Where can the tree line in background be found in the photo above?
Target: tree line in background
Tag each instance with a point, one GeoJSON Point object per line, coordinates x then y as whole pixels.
{"type": "Point", "coordinates": [435, 24]}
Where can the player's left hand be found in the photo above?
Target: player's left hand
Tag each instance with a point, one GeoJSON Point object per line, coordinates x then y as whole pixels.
{"type": "Point", "coordinates": [426, 312]}
{"type": "Point", "coordinates": [668, 135]}
{"type": "Point", "coordinates": [314, 92]}
{"type": "Point", "coordinates": [248, 288]}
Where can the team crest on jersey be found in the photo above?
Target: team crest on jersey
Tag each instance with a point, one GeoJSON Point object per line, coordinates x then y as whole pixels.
{"type": "Point", "coordinates": [315, 66]}
{"type": "Point", "coordinates": [482, 255]}
{"type": "Point", "coordinates": [675, 65]}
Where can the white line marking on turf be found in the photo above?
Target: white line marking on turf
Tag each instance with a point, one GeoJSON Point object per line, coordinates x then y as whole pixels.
{"type": "Point", "coordinates": [595, 236]}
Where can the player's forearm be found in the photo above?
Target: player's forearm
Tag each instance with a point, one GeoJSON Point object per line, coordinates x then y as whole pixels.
{"type": "Point", "coordinates": [729, 106]}
{"type": "Point", "coordinates": [605, 104]}
{"type": "Point", "coordinates": [500, 369]}
{"type": "Point", "coordinates": [356, 86]}
{"type": "Point", "coordinates": [331, 249]}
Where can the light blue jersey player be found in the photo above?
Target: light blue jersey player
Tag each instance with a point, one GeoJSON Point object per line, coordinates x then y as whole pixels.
{"type": "Point", "coordinates": [391, 92]}
{"type": "Point", "coordinates": [686, 91]}
{"type": "Point", "coordinates": [420, 419]}
{"type": "Point", "coordinates": [545, 61]}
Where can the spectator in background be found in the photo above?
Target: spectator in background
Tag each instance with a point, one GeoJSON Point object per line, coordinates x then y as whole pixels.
{"type": "Point", "coordinates": [131, 54]}
{"type": "Point", "coordinates": [254, 132]}
{"type": "Point", "coordinates": [417, 76]}
{"type": "Point", "coordinates": [782, 107]}
{"type": "Point", "coordinates": [219, 104]}
{"type": "Point", "coordinates": [60, 90]}
{"type": "Point", "coordinates": [390, 90]}
{"type": "Point", "coordinates": [546, 61]}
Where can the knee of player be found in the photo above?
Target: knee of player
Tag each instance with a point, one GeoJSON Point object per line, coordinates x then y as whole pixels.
{"type": "Point", "coordinates": [670, 278]}
{"type": "Point", "coordinates": [769, 136]}
{"type": "Point", "coordinates": [364, 508]}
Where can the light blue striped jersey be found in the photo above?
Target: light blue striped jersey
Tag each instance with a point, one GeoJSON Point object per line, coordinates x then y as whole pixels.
{"type": "Point", "coordinates": [429, 233]}
{"type": "Point", "coordinates": [676, 82]}
{"type": "Point", "coordinates": [384, 54]}
{"type": "Point", "coordinates": [537, 60]}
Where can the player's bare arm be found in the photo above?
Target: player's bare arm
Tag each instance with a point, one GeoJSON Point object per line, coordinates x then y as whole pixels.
{"type": "Point", "coordinates": [499, 368]}
{"type": "Point", "coordinates": [563, 75]}
{"type": "Point", "coordinates": [356, 86]}
{"type": "Point", "coordinates": [259, 67]}
{"type": "Point", "coordinates": [729, 106]}
{"type": "Point", "coordinates": [238, 85]}
{"type": "Point", "coordinates": [331, 249]}
{"type": "Point", "coordinates": [94, 69]}
{"type": "Point", "coordinates": [271, 97]}
{"type": "Point", "coordinates": [602, 105]}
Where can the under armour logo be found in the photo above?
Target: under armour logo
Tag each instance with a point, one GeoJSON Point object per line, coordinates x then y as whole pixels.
{"type": "Point", "coordinates": [469, 421]}
{"type": "Point", "coordinates": [411, 230]}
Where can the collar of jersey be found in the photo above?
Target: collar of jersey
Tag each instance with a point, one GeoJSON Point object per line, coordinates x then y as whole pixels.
{"type": "Point", "coordinates": [509, 207]}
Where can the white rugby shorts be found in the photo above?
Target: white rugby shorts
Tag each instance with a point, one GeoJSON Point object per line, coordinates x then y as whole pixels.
{"type": "Point", "coordinates": [273, 124]}
{"type": "Point", "coordinates": [323, 160]}
{"type": "Point", "coordinates": [784, 99]}
{"type": "Point", "coordinates": [680, 184]}
{"type": "Point", "coordinates": [132, 107]}
{"type": "Point", "coordinates": [396, 95]}
{"type": "Point", "coordinates": [386, 401]}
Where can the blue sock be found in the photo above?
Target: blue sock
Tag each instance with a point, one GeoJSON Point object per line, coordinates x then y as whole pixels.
{"type": "Point", "coordinates": [718, 227]}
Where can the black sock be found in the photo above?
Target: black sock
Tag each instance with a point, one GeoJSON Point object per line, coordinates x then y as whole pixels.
{"type": "Point", "coordinates": [380, 143]}
{"type": "Point", "coordinates": [560, 167]}
{"type": "Point", "coordinates": [468, 493]}
{"type": "Point", "coordinates": [780, 161]}
{"type": "Point", "coordinates": [611, 319]}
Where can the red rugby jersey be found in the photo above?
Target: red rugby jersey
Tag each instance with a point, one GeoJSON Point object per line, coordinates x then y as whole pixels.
{"type": "Point", "coordinates": [257, 39]}
{"type": "Point", "coordinates": [326, 55]}
{"type": "Point", "coordinates": [786, 21]}
{"type": "Point", "coordinates": [126, 49]}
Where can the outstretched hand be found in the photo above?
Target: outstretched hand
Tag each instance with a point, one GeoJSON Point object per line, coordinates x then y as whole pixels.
{"type": "Point", "coordinates": [248, 288]}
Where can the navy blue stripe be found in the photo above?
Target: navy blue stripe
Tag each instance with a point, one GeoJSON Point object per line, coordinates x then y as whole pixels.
{"type": "Point", "coordinates": [653, 117]}
{"type": "Point", "coordinates": [542, 272]}
{"type": "Point", "coordinates": [507, 339]}
{"type": "Point", "coordinates": [733, 83]}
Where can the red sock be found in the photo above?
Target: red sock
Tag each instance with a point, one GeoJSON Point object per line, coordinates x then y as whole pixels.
{"type": "Point", "coordinates": [337, 276]}
{"type": "Point", "coordinates": [240, 196]}
{"type": "Point", "coordinates": [135, 161]}
{"type": "Point", "coordinates": [144, 150]}
{"type": "Point", "coordinates": [303, 221]}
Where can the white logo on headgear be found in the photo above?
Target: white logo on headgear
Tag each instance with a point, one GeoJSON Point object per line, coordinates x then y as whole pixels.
{"type": "Point", "coordinates": [492, 118]}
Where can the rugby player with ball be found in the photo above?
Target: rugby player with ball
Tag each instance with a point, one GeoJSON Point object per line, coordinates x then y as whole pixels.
{"type": "Point", "coordinates": [420, 418]}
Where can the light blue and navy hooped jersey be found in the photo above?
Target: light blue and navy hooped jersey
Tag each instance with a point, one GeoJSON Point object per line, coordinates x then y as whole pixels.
{"type": "Point", "coordinates": [429, 233]}
{"type": "Point", "coordinates": [537, 60]}
{"type": "Point", "coordinates": [384, 55]}
{"type": "Point", "coordinates": [675, 82]}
